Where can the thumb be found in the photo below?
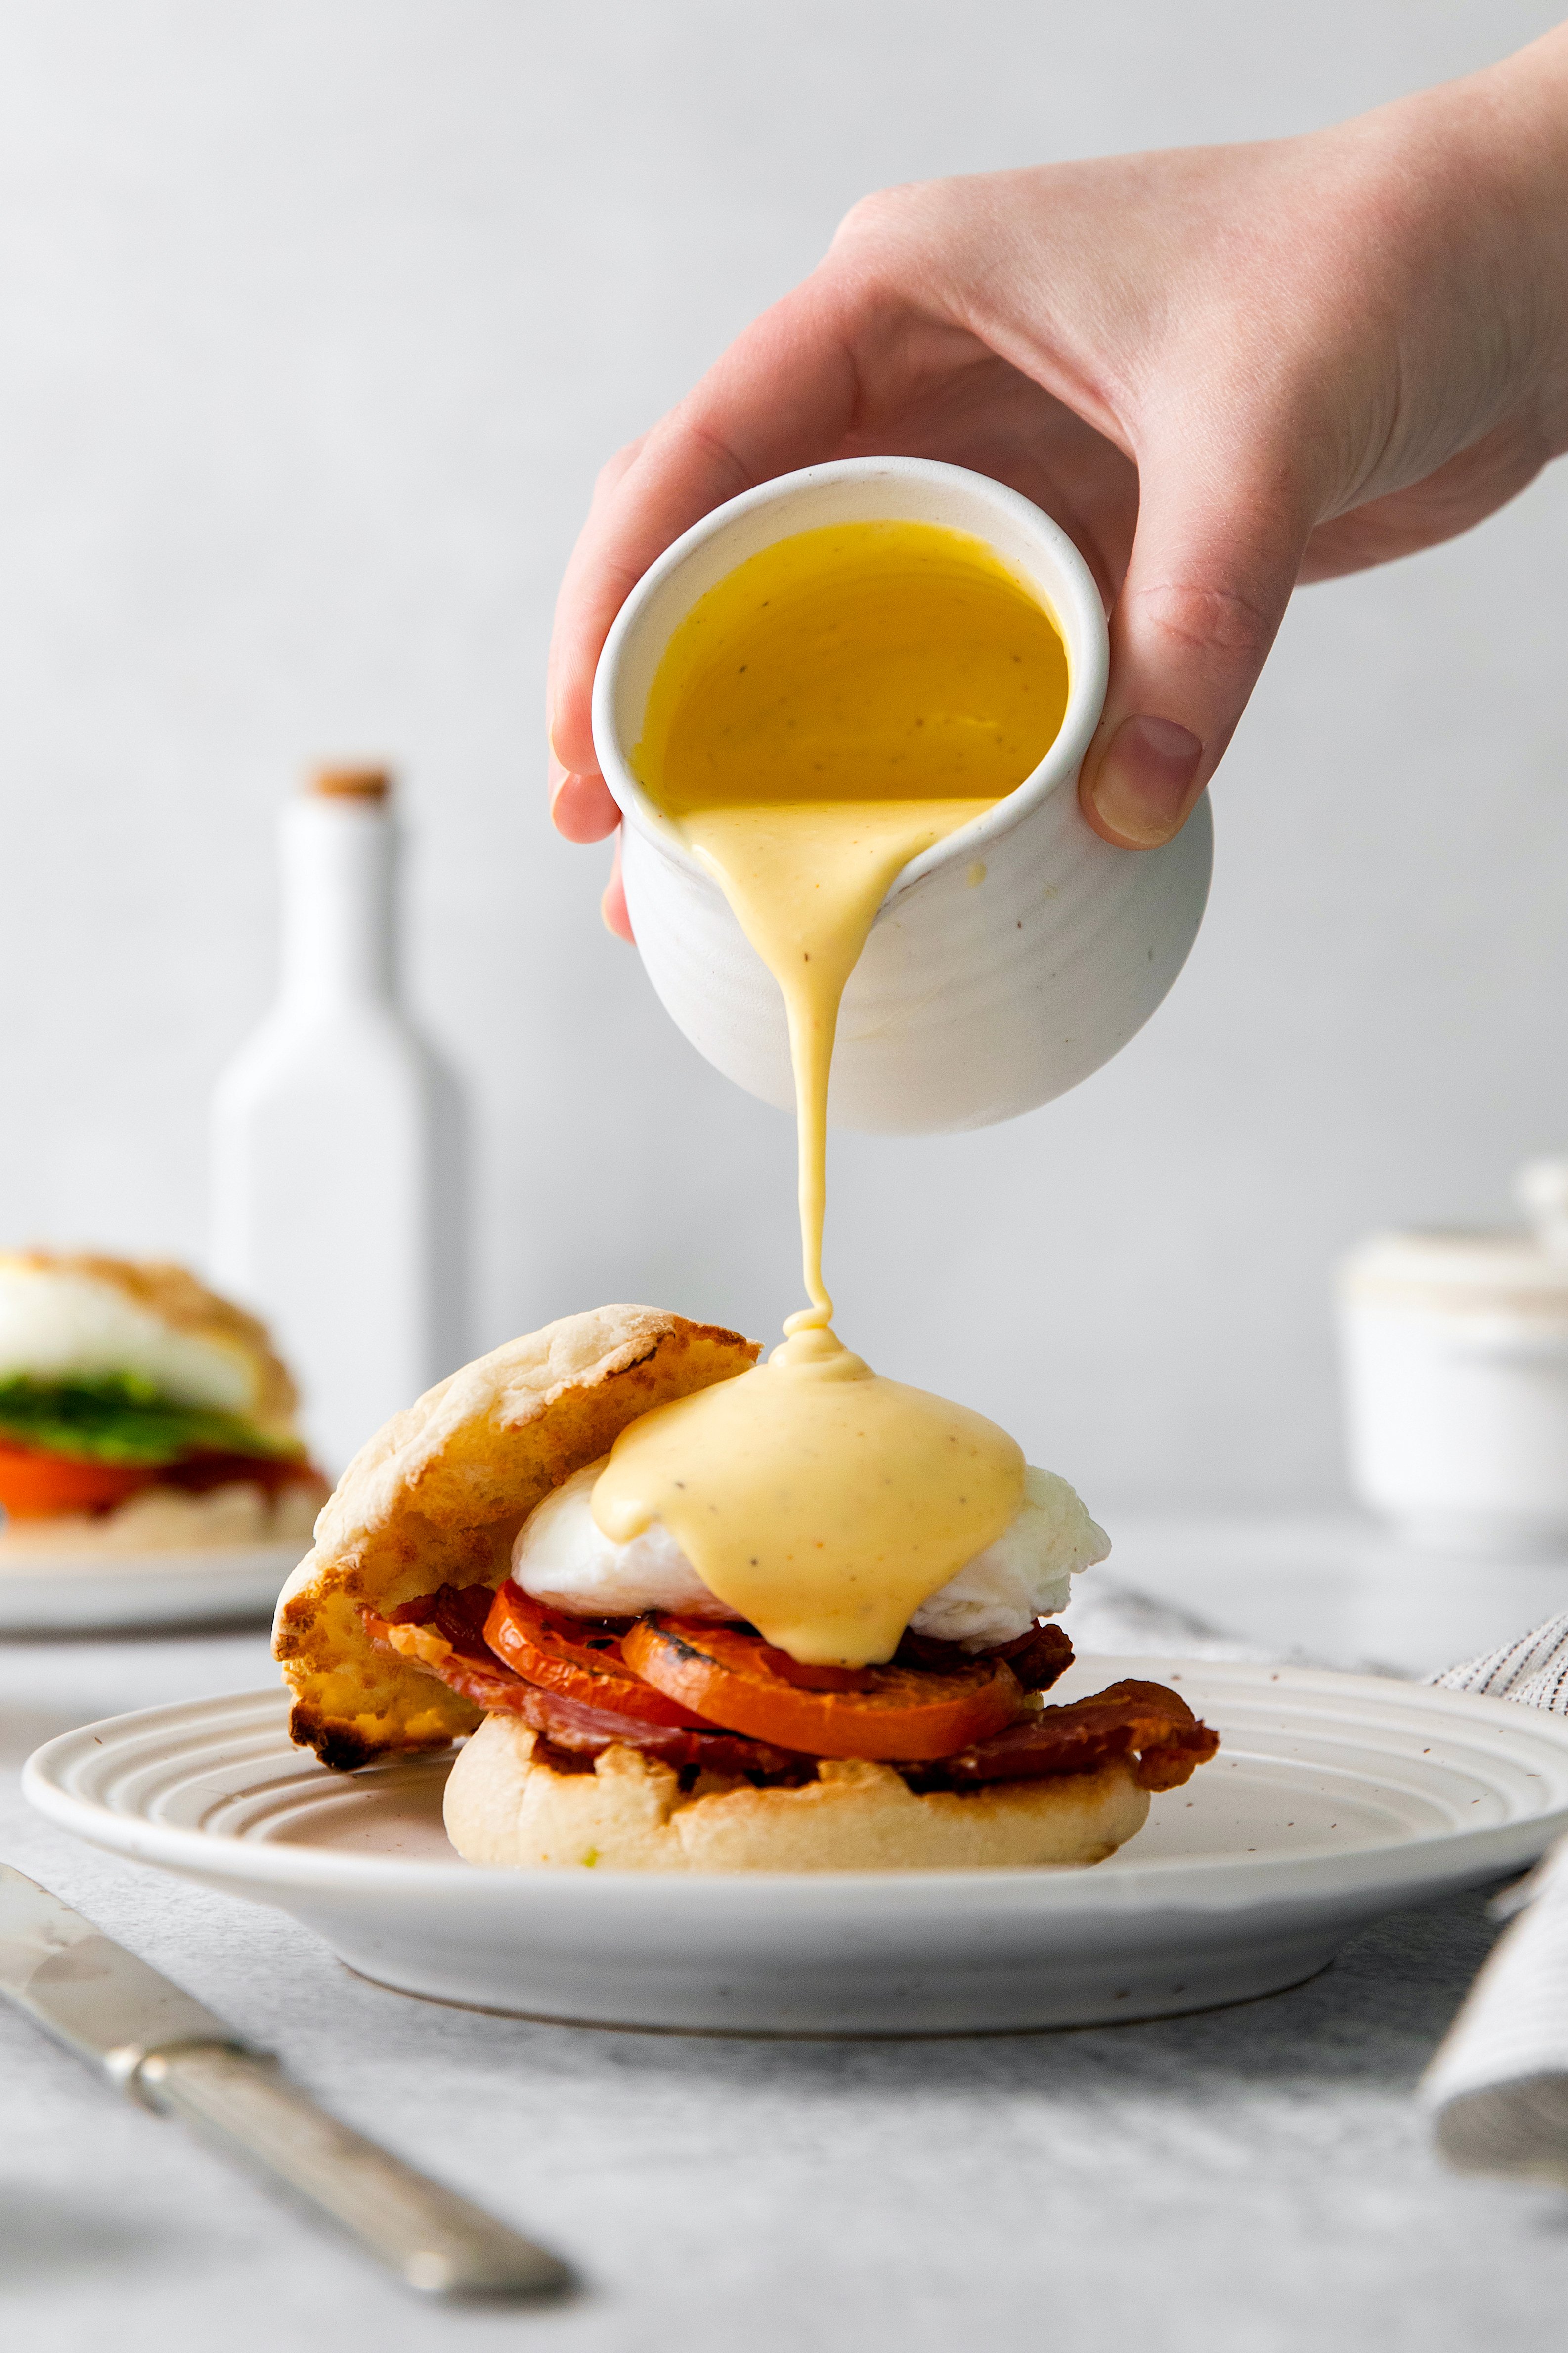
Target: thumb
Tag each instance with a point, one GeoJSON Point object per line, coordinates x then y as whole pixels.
{"type": "Point", "coordinates": [1211, 574]}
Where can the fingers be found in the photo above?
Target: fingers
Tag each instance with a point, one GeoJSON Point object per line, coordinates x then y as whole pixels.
{"type": "Point", "coordinates": [580, 808]}
{"type": "Point", "coordinates": [1214, 563]}
{"type": "Point", "coordinates": [781, 396]}
{"type": "Point", "coordinates": [583, 811]}
{"type": "Point", "coordinates": [568, 717]}
{"type": "Point", "coordinates": [613, 905]}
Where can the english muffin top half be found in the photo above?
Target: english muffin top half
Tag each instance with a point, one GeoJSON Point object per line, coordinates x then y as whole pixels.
{"type": "Point", "coordinates": [436, 1497]}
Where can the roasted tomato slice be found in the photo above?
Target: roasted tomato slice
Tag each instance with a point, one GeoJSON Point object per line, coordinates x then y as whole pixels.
{"type": "Point", "coordinates": [442, 1632]}
{"type": "Point", "coordinates": [34, 1485]}
{"type": "Point", "coordinates": [1144, 1721]}
{"type": "Point", "coordinates": [580, 1657]}
{"type": "Point", "coordinates": [735, 1678]}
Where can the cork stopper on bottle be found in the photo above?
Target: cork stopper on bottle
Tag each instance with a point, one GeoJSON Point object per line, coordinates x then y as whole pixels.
{"type": "Point", "coordinates": [351, 783]}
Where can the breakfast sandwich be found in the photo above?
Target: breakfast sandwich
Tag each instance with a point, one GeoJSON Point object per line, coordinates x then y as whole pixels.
{"type": "Point", "coordinates": [139, 1411]}
{"type": "Point", "coordinates": [618, 1711]}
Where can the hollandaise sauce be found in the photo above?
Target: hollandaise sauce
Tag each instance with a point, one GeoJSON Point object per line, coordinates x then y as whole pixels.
{"type": "Point", "coordinates": [829, 709]}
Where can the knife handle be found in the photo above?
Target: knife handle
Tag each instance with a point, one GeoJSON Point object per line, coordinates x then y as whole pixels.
{"type": "Point", "coordinates": [433, 2239]}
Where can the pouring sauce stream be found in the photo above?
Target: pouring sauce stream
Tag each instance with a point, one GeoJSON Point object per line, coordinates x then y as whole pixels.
{"type": "Point", "coordinates": [833, 707]}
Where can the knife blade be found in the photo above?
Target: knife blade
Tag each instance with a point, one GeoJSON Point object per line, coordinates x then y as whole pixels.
{"type": "Point", "coordinates": [166, 2050]}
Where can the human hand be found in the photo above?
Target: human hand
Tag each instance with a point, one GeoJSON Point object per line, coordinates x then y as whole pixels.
{"type": "Point", "coordinates": [1221, 370]}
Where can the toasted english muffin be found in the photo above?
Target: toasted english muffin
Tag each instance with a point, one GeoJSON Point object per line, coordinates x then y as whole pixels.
{"type": "Point", "coordinates": [504, 1805]}
{"type": "Point", "coordinates": [436, 1496]}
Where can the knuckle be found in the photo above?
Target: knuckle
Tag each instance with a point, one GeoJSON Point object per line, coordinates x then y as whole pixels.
{"type": "Point", "coordinates": [697, 426]}
{"type": "Point", "coordinates": [1221, 618]}
{"type": "Point", "coordinates": [613, 470]}
{"type": "Point", "coordinates": [880, 216]}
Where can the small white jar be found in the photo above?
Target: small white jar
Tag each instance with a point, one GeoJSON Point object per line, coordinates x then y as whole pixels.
{"type": "Point", "coordinates": [1455, 1350]}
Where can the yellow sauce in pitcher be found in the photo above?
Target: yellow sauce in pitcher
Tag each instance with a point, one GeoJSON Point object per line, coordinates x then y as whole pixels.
{"type": "Point", "coordinates": [832, 708]}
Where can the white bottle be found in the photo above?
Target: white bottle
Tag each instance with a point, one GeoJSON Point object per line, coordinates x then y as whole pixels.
{"type": "Point", "coordinates": [336, 1174]}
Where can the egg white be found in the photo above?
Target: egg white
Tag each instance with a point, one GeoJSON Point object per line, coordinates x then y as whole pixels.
{"type": "Point", "coordinates": [562, 1557]}
{"type": "Point", "coordinates": [58, 1323]}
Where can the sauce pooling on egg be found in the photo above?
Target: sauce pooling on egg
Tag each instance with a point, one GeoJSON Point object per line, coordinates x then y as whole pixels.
{"type": "Point", "coordinates": [833, 707]}
{"type": "Point", "coordinates": [820, 1500]}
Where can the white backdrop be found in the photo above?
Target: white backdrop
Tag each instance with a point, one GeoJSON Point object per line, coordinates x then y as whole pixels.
{"type": "Point", "coordinates": [316, 318]}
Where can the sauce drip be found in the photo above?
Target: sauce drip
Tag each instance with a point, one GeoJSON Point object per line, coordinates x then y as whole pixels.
{"type": "Point", "coordinates": [829, 709]}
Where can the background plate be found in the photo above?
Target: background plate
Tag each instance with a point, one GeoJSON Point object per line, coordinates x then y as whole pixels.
{"type": "Point", "coordinates": [80, 1592]}
{"type": "Point", "coordinates": [1334, 1798]}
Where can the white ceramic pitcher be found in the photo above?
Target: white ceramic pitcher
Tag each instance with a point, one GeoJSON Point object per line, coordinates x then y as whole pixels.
{"type": "Point", "coordinates": [1007, 962]}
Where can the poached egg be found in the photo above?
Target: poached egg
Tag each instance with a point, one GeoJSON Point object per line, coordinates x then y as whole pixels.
{"type": "Point", "coordinates": [64, 1322]}
{"type": "Point", "coordinates": [561, 1558]}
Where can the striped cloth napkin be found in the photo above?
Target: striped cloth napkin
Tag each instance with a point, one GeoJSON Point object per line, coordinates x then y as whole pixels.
{"type": "Point", "coordinates": [1497, 2089]}
{"type": "Point", "coordinates": [1533, 1670]}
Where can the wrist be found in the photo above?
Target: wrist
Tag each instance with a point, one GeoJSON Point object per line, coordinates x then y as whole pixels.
{"type": "Point", "coordinates": [1499, 142]}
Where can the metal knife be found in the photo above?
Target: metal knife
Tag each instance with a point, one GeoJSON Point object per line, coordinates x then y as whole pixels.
{"type": "Point", "coordinates": [163, 2049]}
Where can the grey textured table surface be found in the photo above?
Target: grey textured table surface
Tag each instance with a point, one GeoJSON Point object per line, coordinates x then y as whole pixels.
{"type": "Point", "coordinates": [1253, 2179]}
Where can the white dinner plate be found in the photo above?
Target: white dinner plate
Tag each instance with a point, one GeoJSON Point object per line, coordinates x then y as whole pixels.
{"type": "Point", "coordinates": [70, 1593]}
{"type": "Point", "coordinates": [1334, 1798]}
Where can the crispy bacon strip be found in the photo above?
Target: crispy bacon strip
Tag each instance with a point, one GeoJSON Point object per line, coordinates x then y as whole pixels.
{"type": "Point", "coordinates": [1128, 1719]}
{"type": "Point", "coordinates": [199, 1472]}
{"type": "Point", "coordinates": [1036, 1658]}
{"type": "Point", "coordinates": [444, 1634]}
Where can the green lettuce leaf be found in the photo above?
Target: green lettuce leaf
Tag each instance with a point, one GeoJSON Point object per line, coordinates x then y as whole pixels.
{"type": "Point", "coordinates": [122, 1419]}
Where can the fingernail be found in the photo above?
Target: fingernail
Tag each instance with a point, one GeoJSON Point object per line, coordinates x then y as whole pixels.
{"type": "Point", "coordinates": [1141, 787]}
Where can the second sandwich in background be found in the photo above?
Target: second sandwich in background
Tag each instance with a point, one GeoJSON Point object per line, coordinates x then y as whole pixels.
{"type": "Point", "coordinates": [141, 1413]}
